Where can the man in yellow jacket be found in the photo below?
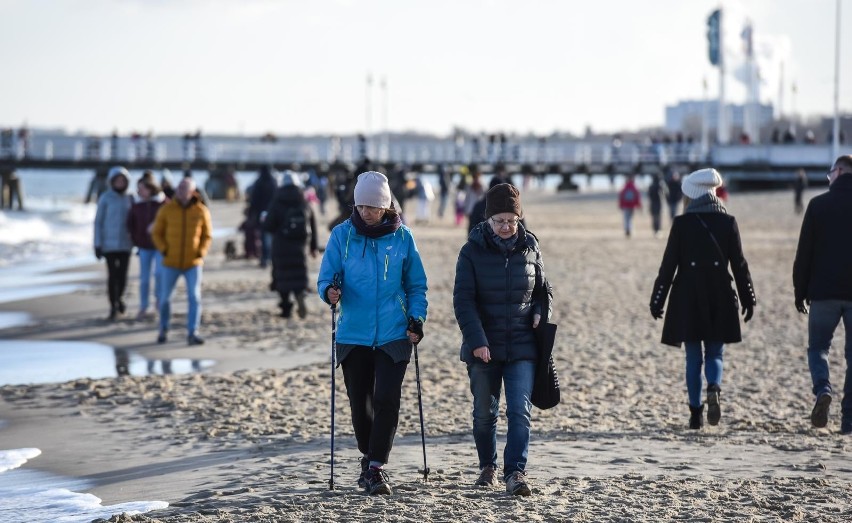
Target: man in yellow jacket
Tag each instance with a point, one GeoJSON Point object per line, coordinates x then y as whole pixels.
{"type": "Point", "coordinates": [182, 232]}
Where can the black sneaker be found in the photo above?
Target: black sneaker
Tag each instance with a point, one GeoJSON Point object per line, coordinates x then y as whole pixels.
{"type": "Point", "coordinates": [516, 485]}
{"type": "Point", "coordinates": [162, 337]}
{"type": "Point", "coordinates": [377, 482]}
{"type": "Point", "coordinates": [362, 479]}
{"type": "Point", "coordinates": [301, 308]}
{"type": "Point", "coordinates": [819, 416]}
{"type": "Point", "coordinates": [487, 477]}
{"type": "Point", "coordinates": [193, 339]}
{"type": "Point", "coordinates": [714, 409]}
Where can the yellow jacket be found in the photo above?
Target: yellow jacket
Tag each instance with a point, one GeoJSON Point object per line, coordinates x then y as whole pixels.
{"type": "Point", "coordinates": [182, 234]}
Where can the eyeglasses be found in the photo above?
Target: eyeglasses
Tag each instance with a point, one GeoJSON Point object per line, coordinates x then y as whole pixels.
{"type": "Point", "coordinates": [828, 174]}
{"type": "Point", "coordinates": [504, 223]}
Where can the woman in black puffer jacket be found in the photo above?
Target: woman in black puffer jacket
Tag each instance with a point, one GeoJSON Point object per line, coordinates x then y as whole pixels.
{"type": "Point", "coordinates": [497, 300]}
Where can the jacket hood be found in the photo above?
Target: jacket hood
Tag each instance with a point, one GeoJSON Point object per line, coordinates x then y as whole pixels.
{"type": "Point", "coordinates": [290, 194]}
{"type": "Point", "coordinates": [118, 171]}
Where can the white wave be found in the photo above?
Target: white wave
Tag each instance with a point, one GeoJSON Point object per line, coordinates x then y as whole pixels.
{"type": "Point", "coordinates": [12, 459]}
{"type": "Point", "coordinates": [33, 497]}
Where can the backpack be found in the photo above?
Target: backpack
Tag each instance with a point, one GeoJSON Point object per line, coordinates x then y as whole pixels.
{"type": "Point", "coordinates": [630, 195]}
{"type": "Point", "coordinates": [294, 225]}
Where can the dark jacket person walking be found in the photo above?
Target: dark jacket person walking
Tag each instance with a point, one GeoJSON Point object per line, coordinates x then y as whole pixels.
{"type": "Point", "coordinates": [702, 305]}
{"type": "Point", "coordinates": [291, 223]}
{"type": "Point", "coordinates": [497, 299]}
{"type": "Point", "coordinates": [822, 277]}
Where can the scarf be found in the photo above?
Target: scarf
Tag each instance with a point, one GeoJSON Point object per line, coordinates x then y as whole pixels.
{"type": "Point", "coordinates": [505, 246]}
{"type": "Point", "coordinates": [390, 223]}
{"type": "Point", "coordinates": [706, 203]}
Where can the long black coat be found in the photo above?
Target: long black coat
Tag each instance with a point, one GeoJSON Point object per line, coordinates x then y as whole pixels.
{"type": "Point", "coordinates": [702, 305]}
{"type": "Point", "coordinates": [495, 296]}
{"type": "Point", "coordinates": [289, 259]}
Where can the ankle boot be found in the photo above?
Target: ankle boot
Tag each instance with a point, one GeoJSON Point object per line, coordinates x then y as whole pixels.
{"type": "Point", "coordinates": [696, 417]}
{"type": "Point", "coordinates": [714, 408]}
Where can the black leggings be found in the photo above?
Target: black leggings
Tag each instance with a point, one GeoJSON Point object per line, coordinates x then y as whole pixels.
{"type": "Point", "coordinates": [117, 265]}
{"type": "Point", "coordinates": [374, 386]}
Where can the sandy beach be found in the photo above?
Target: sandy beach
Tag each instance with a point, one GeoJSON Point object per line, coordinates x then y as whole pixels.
{"type": "Point", "coordinates": [248, 438]}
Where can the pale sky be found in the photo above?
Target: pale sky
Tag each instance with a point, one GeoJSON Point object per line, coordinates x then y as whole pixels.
{"type": "Point", "coordinates": [300, 66]}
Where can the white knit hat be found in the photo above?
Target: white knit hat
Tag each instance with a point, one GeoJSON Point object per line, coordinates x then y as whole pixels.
{"type": "Point", "coordinates": [701, 182]}
{"type": "Point", "coordinates": [372, 190]}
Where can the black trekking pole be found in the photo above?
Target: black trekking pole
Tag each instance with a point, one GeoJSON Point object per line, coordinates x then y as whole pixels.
{"type": "Point", "coordinates": [335, 285]}
{"type": "Point", "coordinates": [416, 326]}
{"type": "Point", "coordinates": [425, 470]}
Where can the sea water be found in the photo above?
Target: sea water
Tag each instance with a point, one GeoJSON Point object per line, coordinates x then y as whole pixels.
{"type": "Point", "coordinates": [28, 496]}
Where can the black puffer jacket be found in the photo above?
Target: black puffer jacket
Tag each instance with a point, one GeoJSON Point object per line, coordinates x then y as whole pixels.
{"type": "Point", "coordinates": [495, 296]}
{"type": "Point", "coordinates": [289, 259]}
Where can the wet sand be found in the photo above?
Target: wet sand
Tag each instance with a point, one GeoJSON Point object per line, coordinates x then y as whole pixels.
{"type": "Point", "coordinates": [248, 439]}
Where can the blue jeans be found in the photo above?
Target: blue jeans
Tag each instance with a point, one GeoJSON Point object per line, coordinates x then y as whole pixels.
{"type": "Point", "coordinates": [628, 220]}
{"type": "Point", "coordinates": [147, 258]}
{"type": "Point", "coordinates": [170, 276]}
{"type": "Point", "coordinates": [713, 353]}
{"type": "Point", "coordinates": [823, 319]}
{"type": "Point", "coordinates": [486, 380]}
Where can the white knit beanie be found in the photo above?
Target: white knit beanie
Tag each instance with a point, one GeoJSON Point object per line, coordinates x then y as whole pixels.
{"type": "Point", "coordinates": [372, 190]}
{"type": "Point", "coordinates": [701, 182]}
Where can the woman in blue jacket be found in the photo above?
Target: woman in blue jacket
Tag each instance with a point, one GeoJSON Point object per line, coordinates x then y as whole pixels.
{"type": "Point", "coordinates": [372, 270]}
{"type": "Point", "coordinates": [498, 297]}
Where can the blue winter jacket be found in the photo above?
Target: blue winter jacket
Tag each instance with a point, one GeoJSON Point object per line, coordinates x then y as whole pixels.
{"type": "Point", "coordinates": [382, 282]}
{"type": "Point", "coordinates": [111, 234]}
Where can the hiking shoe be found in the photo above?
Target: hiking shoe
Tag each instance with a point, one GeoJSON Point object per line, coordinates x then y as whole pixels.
{"type": "Point", "coordinates": [193, 339]}
{"type": "Point", "coordinates": [696, 417]}
{"type": "Point", "coordinates": [362, 479]}
{"type": "Point", "coordinates": [377, 482]}
{"type": "Point", "coordinates": [819, 416]}
{"type": "Point", "coordinates": [516, 485]}
{"type": "Point", "coordinates": [302, 309]}
{"type": "Point", "coordinates": [162, 337]}
{"type": "Point", "coordinates": [487, 477]}
{"type": "Point", "coordinates": [714, 410]}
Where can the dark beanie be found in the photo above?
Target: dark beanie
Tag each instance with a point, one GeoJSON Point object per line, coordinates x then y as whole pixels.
{"type": "Point", "coordinates": [503, 197]}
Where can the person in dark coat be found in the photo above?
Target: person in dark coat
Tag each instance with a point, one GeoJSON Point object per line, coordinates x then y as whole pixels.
{"type": "Point", "coordinates": [675, 194]}
{"type": "Point", "coordinates": [262, 192]}
{"type": "Point", "coordinates": [291, 223]}
{"type": "Point", "coordinates": [702, 305]}
{"type": "Point", "coordinates": [799, 186]}
{"type": "Point", "coordinates": [139, 223]}
{"type": "Point", "coordinates": [657, 194]}
{"type": "Point", "coordinates": [497, 298]}
{"type": "Point", "coordinates": [822, 279]}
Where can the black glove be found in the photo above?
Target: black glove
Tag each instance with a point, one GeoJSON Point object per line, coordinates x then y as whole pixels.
{"type": "Point", "coordinates": [99, 253]}
{"type": "Point", "coordinates": [748, 312]}
{"type": "Point", "coordinates": [802, 306]}
{"type": "Point", "coordinates": [656, 313]}
{"type": "Point", "coordinates": [415, 326]}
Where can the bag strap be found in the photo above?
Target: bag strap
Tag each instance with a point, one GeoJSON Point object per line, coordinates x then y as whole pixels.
{"type": "Point", "coordinates": [712, 237]}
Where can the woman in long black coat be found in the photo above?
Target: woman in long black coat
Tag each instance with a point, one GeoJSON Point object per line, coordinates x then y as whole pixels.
{"type": "Point", "coordinates": [702, 305]}
{"type": "Point", "coordinates": [291, 223]}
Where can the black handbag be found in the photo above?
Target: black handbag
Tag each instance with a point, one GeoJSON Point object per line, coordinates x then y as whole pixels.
{"type": "Point", "coordinates": [545, 392]}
